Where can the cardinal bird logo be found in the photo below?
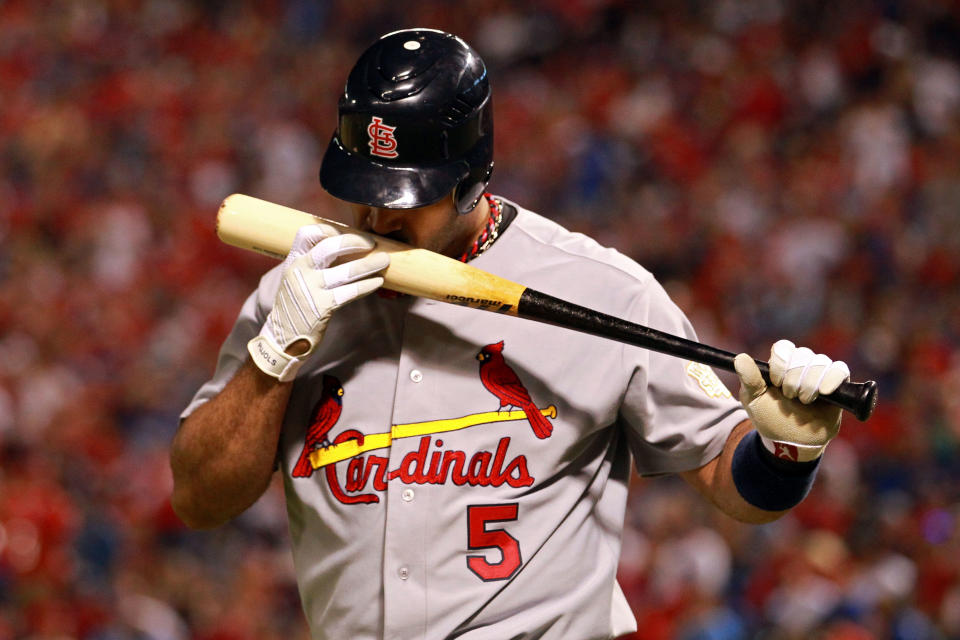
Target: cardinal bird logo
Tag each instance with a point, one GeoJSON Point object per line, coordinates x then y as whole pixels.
{"type": "Point", "coordinates": [325, 415]}
{"type": "Point", "coordinates": [500, 380]}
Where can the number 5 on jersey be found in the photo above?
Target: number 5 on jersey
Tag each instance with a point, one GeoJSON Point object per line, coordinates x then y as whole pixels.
{"type": "Point", "coordinates": [480, 537]}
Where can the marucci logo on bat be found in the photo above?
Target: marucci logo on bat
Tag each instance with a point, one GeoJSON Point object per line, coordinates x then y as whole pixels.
{"type": "Point", "coordinates": [477, 302]}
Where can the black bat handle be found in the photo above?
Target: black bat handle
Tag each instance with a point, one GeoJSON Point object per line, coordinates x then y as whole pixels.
{"type": "Point", "coordinates": [859, 398]}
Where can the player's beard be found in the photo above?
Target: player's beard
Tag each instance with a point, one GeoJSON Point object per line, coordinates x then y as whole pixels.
{"type": "Point", "coordinates": [452, 239]}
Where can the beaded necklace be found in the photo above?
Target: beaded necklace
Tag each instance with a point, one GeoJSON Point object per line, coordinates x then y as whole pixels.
{"type": "Point", "coordinates": [490, 232]}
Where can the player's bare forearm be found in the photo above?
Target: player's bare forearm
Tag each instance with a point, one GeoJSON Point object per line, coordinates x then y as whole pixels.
{"type": "Point", "coordinates": [223, 454]}
{"type": "Point", "coordinates": [714, 481]}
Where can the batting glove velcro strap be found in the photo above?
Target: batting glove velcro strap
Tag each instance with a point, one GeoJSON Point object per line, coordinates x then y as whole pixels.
{"type": "Point", "coordinates": [310, 291]}
{"type": "Point", "coordinates": [791, 426]}
{"type": "Point", "coordinates": [272, 360]}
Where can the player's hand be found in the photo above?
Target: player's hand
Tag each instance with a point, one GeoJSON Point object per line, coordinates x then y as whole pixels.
{"type": "Point", "coordinates": [310, 291]}
{"type": "Point", "coordinates": [790, 426]}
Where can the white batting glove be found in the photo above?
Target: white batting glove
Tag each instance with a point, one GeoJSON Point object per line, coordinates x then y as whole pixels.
{"type": "Point", "coordinates": [789, 425]}
{"type": "Point", "coordinates": [310, 291]}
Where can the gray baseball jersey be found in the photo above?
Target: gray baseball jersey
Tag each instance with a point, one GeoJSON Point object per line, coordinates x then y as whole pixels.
{"type": "Point", "coordinates": [456, 473]}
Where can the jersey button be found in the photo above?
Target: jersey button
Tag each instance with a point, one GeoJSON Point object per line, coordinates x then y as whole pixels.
{"type": "Point", "coordinates": [416, 376]}
{"type": "Point", "coordinates": [404, 573]}
{"type": "Point", "coordinates": [407, 495]}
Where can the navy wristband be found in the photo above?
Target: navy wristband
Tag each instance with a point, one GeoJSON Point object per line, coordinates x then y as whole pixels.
{"type": "Point", "coordinates": [766, 481]}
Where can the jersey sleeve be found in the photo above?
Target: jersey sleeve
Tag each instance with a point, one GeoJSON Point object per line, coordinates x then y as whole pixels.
{"type": "Point", "coordinates": [678, 413]}
{"type": "Point", "coordinates": [233, 352]}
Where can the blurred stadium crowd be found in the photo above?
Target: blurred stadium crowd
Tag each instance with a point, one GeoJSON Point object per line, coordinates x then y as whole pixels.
{"type": "Point", "coordinates": [787, 169]}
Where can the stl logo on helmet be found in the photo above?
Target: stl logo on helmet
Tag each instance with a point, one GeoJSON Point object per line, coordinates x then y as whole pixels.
{"type": "Point", "coordinates": [382, 143]}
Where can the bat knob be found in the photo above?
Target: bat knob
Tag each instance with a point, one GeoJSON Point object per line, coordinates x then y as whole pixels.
{"type": "Point", "coordinates": [866, 400]}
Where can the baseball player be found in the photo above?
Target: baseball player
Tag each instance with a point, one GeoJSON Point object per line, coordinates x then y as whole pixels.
{"type": "Point", "coordinates": [454, 474]}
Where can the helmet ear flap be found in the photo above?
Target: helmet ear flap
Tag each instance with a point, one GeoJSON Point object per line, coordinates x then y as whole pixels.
{"type": "Point", "coordinates": [469, 190]}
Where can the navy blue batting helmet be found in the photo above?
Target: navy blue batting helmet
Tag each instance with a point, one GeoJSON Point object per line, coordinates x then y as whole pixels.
{"type": "Point", "coordinates": [415, 124]}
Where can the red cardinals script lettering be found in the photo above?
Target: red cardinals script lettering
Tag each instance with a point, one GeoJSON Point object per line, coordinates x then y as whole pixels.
{"type": "Point", "coordinates": [423, 466]}
{"type": "Point", "coordinates": [356, 477]}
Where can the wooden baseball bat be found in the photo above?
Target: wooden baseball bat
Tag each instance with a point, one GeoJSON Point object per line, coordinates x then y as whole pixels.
{"type": "Point", "coordinates": [269, 228]}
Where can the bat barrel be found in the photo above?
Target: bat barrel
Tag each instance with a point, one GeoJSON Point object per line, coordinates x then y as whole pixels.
{"type": "Point", "coordinates": [859, 398]}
